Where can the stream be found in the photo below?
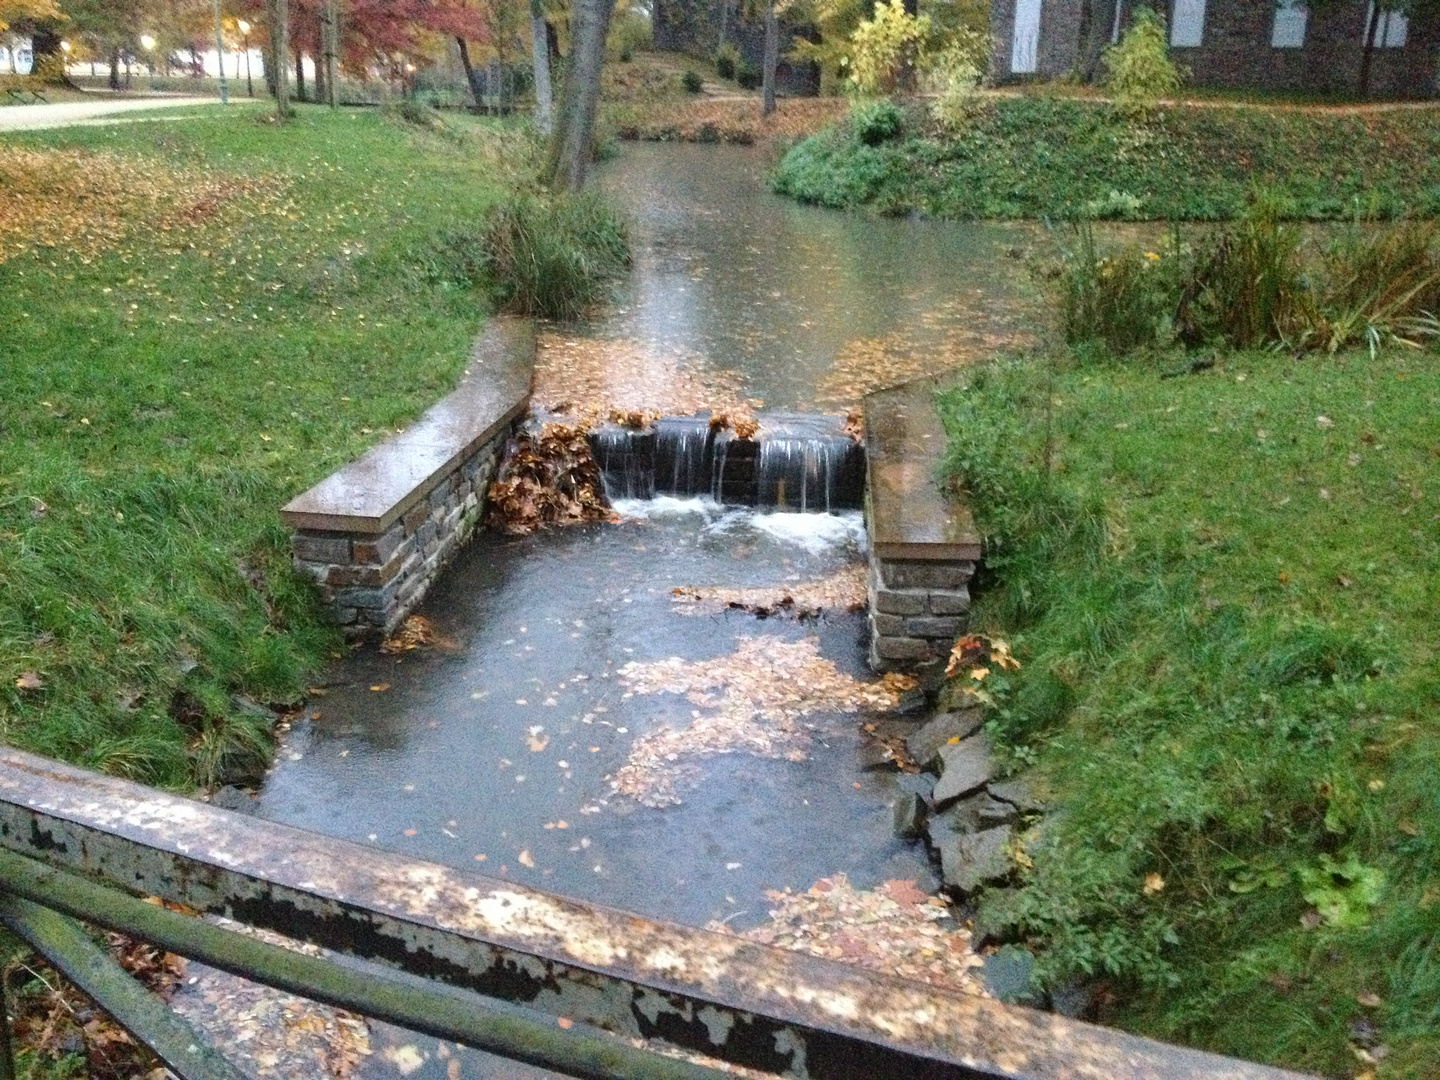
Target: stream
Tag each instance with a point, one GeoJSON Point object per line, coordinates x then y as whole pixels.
{"type": "Point", "coordinates": [574, 723]}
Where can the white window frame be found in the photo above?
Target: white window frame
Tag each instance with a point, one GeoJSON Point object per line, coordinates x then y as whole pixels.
{"type": "Point", "coordinates": [1292, 19]}
{"type": "Point", "coordinates": [1392, 29]}
{"type": "Point", "coordinates": [1187, 24]}
{"type": "Point", "coordinates": [1025, 51]}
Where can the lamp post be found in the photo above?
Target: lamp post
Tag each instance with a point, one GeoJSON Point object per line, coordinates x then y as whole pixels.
{"type": "Point", "coordinates": [244, 28]}
{"type": "Point", "coordinates": [220, 57]}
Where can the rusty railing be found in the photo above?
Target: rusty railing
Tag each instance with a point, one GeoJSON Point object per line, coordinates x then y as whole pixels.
{"type": "Point", "coordinates": [583, 990]}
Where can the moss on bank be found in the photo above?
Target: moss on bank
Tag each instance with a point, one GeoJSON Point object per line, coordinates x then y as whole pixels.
{"type": "Point", "coordinates": [1032, 157]}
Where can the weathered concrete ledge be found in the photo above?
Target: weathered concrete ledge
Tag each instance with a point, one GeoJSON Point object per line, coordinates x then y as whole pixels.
{"type": "Point", "coordinates": [923, 542]}
{"type": "Point", "coordinates": [374, 534]}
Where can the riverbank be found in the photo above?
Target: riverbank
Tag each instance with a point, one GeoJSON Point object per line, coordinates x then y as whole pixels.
{"type": "Point", "coordinates": [1219, 580]}
{"type": "Point", "coordinates": [212, 314]}
{"type": "Point", "coordinates": [1051, 157]}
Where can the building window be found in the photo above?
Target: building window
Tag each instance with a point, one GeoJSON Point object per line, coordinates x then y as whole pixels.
{"type": "Point", "coordinates": [1187, 27]}
{"type": "Point", "coordinates": [1291, 17]}
{"type": "Point", "coordinates": [1391, 29]}
{"type": "Point", "coordinates": [1025, 44]}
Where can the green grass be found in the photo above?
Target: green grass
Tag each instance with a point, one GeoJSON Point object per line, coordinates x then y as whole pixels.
{"type": "Point", "coordinates": [160, 401]}
{"type": "Point", "coordinates": [1223, 592]}
{"type": "Point", "coordinates": [1034, 157]}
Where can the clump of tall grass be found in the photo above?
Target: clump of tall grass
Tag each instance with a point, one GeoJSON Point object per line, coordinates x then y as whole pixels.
{"type": "Point", "coordinates": [551, 255]}
{"type": "Point", "coordinates": [1256, 283]}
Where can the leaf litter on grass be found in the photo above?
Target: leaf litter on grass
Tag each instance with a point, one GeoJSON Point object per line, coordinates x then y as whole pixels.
{"type": "Point", "coordinates": [754, 700]}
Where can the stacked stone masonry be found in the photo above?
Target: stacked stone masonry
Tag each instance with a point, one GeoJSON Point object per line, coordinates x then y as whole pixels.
{"type": "Point", "coordinates": [370, 581]}
{"type": "Point", "coordinates": [917, 609]}
{"type": "Point", "coordinates": [374, 535]}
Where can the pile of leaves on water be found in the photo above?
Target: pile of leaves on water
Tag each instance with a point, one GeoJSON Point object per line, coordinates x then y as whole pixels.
{"type": "Point", "coordinates": [756, 700]}
{"type": "Point", "coordinates": [843, 590]}
{"type": "Point", "coordinates": [52, 1020]}
{"type": "Point", "coordinates": [896, 929]}
{"type": "Point", "coordinates": [549, 478]}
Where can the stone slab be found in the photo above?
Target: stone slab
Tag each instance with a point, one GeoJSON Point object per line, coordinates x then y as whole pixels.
{"type": "Point", "coordinates": [969, 860]}
{"type": "Point", "coordinates": [964, 767]}
{"type": "Point", "coordinates": [376, 489]}
{"type": "Point", "coordinates": [910, 516]}
{"type": "Point", "coordinates": [925, 744]}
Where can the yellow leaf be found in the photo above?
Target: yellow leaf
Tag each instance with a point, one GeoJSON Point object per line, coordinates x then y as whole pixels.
{"type": "Point", "coordinates": [526, 859]}
{"type": "Point", "coordinates": [1154, 884]}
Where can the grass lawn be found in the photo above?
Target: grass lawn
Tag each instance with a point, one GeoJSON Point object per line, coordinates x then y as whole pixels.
{"type": "Point", "coordinates": [1033, 157]}
{"type": "Point", "coordinates": [1224, 594]}
{"type": "Point", "coordinates": [199, 319]}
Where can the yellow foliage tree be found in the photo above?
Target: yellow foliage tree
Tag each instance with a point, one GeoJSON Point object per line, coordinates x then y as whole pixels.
{"type": "Point", "coordinates": [15, 10]}
{"type": "Point", "coordinates": [884, 45]}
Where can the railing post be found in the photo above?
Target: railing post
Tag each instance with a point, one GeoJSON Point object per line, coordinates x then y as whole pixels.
{"type": "Point", "coordinates": [7, 1059]}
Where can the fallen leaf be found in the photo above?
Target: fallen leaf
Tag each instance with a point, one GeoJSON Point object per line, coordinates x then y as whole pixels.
{"type": "Point", "coordinates": [904, 891]}
{"type": "Point", "coordinates": [1369, 999]}
{"type": "Point", "coordinates": [526, 859]}
{"type": "Point", "coordinates": [1154, 884]}
{"type": "Point", "coordinates": [30, 680]}
{"type": "Point", "coordinates": [381, 686]}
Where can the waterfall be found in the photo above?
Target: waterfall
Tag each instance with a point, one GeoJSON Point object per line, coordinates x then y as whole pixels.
{"type": "Point", "coordinates": [796, 461]}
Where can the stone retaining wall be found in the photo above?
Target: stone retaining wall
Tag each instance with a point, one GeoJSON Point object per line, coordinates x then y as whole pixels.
{"type": "Point", "coordinates": [917, 610]}
{"type": "Point", "coordinates": [374, 535]}
{"type": "Point", "coordinates": [370, 582]}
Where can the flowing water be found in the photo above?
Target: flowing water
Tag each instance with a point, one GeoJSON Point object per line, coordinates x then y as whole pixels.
{"type": "Point", "coordinates": [565, 666]}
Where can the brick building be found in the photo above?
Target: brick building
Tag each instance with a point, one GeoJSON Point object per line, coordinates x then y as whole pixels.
{"type": "Point", "coordinates": [1243, 44]}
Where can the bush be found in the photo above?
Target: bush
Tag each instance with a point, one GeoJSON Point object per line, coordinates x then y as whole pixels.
{"type": "Point", "coordinates": [876, 122]}
{"type": "Point", "coordinates": [883, 46]}
{"type": "Point", "coordinates": [630, 33]}
{"type": "Point", "coordinates": [727, 61]}
{"type": "Point", "coordinates": [691, 81]}
{"type": "Point", "coordinates": [954, 75]}
{"type": "Point", "coordinates": [1138, 70]}
{"type": "Point", "coordinates": [1377, 282]}
{"type": "Point", "coordinates": [551, 256]}
{"type": "Point", "coordinates": [1124, 299]}
{"type": "Point", "coordinates": [748, 76]}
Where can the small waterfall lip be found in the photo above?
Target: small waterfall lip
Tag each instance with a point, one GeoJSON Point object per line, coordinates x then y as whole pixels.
{"type": "Point", "coordinates": [795, 461]}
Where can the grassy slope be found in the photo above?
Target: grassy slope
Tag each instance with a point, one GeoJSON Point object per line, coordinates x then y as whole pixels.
{"type": "Point", "coordinates": [164, 399]}
{"type": "Point", "coordinates": [1227, 614]}
{"type": "Point", "coordinates": [1038, 157]}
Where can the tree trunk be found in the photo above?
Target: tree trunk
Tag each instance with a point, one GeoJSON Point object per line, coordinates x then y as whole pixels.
{"type": "Point", "coordinates": [772, 58]}
{"type": "Point", "coordinates": [115, 68]}
{"type": "Point", "coordinates": [279, 15]}
{"type": "Point", "coordinates": [1097, 21]}
{"type": "Point", "coordinates": [724, 24]}
{"type": "Point", "coordinates": [470, 78]}
{"type": "Point", "coordinates": [321, 91]}
{"type": "Point", "coordinates": [540, 64]}
{"type": "Point", "coordinates": [332, 52]}
{"type": "Point", "coordinates": [299, 75]}
{"type": "Point", "coordinates": [571, 148]}
{"type": "Point", "coordinates": [1371, 28]}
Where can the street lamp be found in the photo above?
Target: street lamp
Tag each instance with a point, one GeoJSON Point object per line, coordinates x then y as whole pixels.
{"type": "Point", "coordinates": [244, 28]}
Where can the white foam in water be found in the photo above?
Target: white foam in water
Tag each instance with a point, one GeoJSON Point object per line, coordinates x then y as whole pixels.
{"type": "Point", "coordinates": [815, 533]}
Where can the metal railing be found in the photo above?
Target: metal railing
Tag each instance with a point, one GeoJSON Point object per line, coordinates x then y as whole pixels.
{"type": "Point", "coordinates": [583, 990]}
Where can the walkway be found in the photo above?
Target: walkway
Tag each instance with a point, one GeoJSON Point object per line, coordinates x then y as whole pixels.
{"type": "Point", "coordinates": [101, 110]}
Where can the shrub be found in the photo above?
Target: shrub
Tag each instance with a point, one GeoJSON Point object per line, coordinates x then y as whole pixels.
{"type": "Point", "coordinates": [1377, 282]}
{"type": "Point", "coordinates": [883, 46]}
{"type": "Point", "coordinates": [415, 112]}
{"type": "Point", "coordinates": [1247, 287]}
{"type": "Point", "coordinates": [629, 33]}
{"type": "Point", "coordinates": [748, 76]}
{"type": "Point", "coordinates": [876, 122]}
{"type": "Point", "coordinates": [727, 61]}
{"type": "Point", "coordinates": [551, 256]}
{"type": "Point", "coordinates": [1124, 299]}
{"type": "Point", "coordinates": [1138, 70]}
{"type": "Point", "coordinates": [954, 75]}
{"type": "Point", "coordinates": [691, 81]}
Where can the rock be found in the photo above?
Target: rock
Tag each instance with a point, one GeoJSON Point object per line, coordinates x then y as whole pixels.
{"type": "Point", "coordinates": [909, 815]}
{"type": "Point", "coordinates": [969, 860]}
{"type": "Point", "coordinates": [874, 754]}
{"type": "Point", "coordinates": [964, 767]}
{"type": "Point", "coordinates": [921, 784]}
{"type": "Point", "coordinates": [1006, 975]}
{"type": "Point", "coordinates": [243, 703]}
{"type": "Point", "coordinates": [990, 811]}
{"type": "Point", "coordinates": [1017, 791]}
{"type": "Point", "coordinates": [925, 744]}
{"type": "Point", "coordinates": [234, 798]}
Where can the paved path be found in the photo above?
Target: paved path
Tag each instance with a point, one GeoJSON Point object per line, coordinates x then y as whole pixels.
{"type": "Point", "coordinates": [101, 110]}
